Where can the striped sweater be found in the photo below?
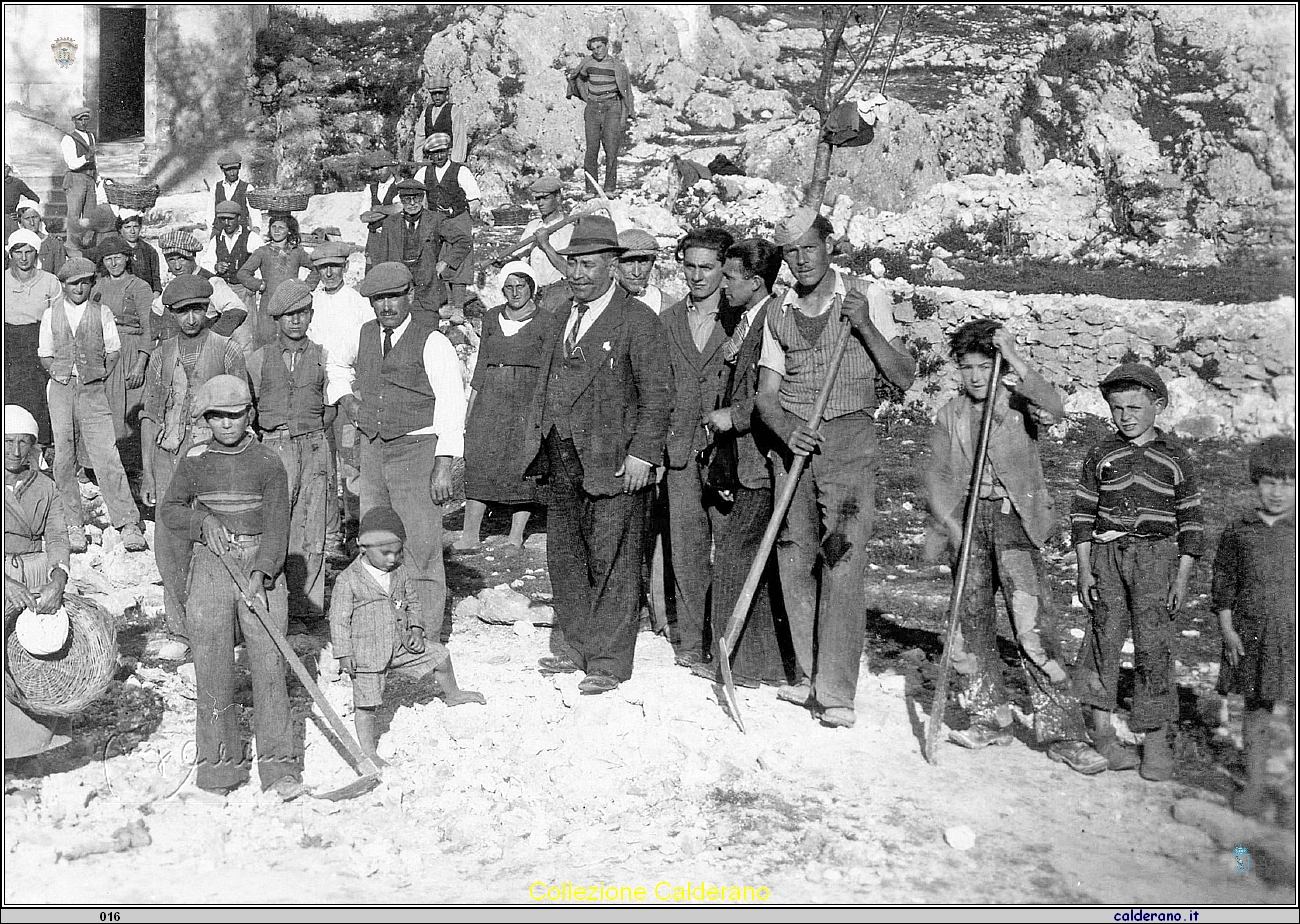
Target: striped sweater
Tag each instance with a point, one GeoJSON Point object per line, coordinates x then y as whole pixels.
{"type": "Point", "coordinates": [1148, 492]}
{"type": "Point", "coordinates": [245, 487]}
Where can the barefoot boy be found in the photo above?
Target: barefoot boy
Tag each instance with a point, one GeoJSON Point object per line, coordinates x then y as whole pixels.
{"type": "Point", "coordinates": [376, 626]}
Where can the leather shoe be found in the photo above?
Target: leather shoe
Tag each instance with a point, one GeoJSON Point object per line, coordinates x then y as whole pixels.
{"type": "Point", "coordinates": [595, 683]}
{"type": "Point", "coordinates": [838, 717]}
{"type": "Point", "coordinates": [557, 664]}
{"type": "Point", "coordinates": [1078, 756]}
{"type": "Point", "coordinates": [798, 693]}
{"type": "Point", "coordinates": [690, 659]}
{"type": "Point", "coordinates": [713, 673]}
{"type": "Point", "coordinates": [980, 735]}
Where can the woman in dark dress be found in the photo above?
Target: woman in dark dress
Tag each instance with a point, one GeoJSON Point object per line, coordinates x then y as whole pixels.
{"type": "Point", "coordinates": [510, 354]}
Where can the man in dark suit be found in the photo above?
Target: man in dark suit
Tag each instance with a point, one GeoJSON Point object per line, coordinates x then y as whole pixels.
{"type": "Point", "coordinates": [696, 336]}
{"type": "Point", "coordinates": [598, 422]}
{"type": "Point", "coordinates": [414, 238]}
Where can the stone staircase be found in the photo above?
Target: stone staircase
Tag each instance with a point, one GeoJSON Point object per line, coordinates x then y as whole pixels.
{"type": "Point", "coordinates": [123, 161]}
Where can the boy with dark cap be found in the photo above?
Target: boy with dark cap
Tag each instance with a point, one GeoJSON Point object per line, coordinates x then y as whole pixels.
{"type": "Point", "coordinates": [288, 385]}
{"type": "Point", "coordinates": [1137, 530]}
{"type": "Point", "coordinates": [78, 347]}
{"type": "Point", "coordinates": [78, 149]}
{"type": "Point", "coordinates": [232, 189]}
{"type": "Point", "coordinates": [229, 498]}
{"type": "Point", "coordinates": [377, 626]}
{"type": "Point", "coordinates": [180, 365]}
{"type": "Point", "coordinates": [605, 86]}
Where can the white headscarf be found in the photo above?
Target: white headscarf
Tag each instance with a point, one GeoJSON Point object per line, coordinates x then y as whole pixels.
{"type": "Point", "coordinates": [517, 268]}
{"type": "Point", "coordinates": [19, 420]}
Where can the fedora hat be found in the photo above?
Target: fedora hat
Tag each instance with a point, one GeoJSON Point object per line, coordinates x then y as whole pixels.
{"type": "Point", "coordinates": [593, 234]}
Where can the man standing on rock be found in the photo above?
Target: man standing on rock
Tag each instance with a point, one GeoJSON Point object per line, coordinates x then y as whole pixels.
{"type": "Point", "coordinates": [409, 404]}
{"type": "Point", "coordinates": [604, 85]}
{"type": "Point", "coordinates": [78, 149]}
{"type": "Point", "coordinates": [414, 237]}
{"type": "Point", "coordinates": [829, 520]}
{"type": "Point", "coordinates": [597, 424]}
{"type": "Point", "coordinates": [441, 115]}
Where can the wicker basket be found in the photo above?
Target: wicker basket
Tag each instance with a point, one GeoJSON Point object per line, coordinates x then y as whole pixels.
{"type": "Point", "coordinates": [511, 215]}
{"type": "Point", "coordinates": [278, 200]}
{"type": "Point", "coordinates": [128, 196]}
{"type": "Point", "coordinates": [72, 678]}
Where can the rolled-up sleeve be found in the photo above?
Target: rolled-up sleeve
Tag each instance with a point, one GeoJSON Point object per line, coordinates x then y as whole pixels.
{"type": "Point", "coordinates": [443, 369]}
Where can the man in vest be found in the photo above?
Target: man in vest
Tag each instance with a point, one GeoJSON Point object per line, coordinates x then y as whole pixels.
{"type": "Point", "coordinates": [597, 424]}
{"type": "Point", "coordinates": [382, 188]}
{"type": "Point", "coordinates": [79, 346]}
{"type": "Point", "coordinates": [411, 415]}
{"type": "Point", "coordinates": [227, 314]}
{"type": "Point", "coordinates": [415, 237]}
{"type": "Point", "coordinates": [230, 245]}
{"type": "Point", "coordinates": [605, 86]}
{"type": "Point", "coordinates": [288, 385]}
{"type": "Point", "coordinates": [453, 193]}
{"type": "Point", "coordinates": [182, 362]}
{"type": "Point", "coordinates": [78, 149]}
{"type": "Point", "coordinates": [441, 116]}
{"type": "Point", "coordinates": [232, 189]}
{"type": "Point", "coordinates": [831, 515]}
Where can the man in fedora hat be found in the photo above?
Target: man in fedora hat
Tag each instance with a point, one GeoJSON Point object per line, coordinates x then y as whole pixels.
{"type": "Point", "coordinates": [233, 189]}
{"type": "Point", "coordinates": [605, 86]}
{"type": "Point", "coordinates": [415, 237]}
{"type": "Point", "coordinates": [78, 149]}
{"type": "Point", "coordinates": [440, 115]}
{"type": "Point", "coordinates": [597, 424]}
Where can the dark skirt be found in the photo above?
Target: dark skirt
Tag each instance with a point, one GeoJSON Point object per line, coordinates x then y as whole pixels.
{"type": "Point", "coordinates": [495, 435]}
{"type": "Point", "coordinates": [25, 380]}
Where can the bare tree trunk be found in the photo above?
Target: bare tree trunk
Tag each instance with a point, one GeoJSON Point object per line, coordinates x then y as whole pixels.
{"type": "Point", "coordinates": [816, 191]}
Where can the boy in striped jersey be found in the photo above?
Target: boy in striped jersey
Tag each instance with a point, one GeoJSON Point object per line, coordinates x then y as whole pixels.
{"type": "Point", "coordinates": [1137, 531]}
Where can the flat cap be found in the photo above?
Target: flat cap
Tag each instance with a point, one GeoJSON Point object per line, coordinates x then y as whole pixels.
{"type": "Point", "coordinates": [179, 242]}
{"type": "Point", "coordinates": [794, 226]}
{"type": "Point", "coordinates": [377, 159]}
{"type": "Point", "coordinates": [19, 420]}
{"type": "Point", "coordinates": [638, 243]}
{"type": "Point", "coordinates": [130, 216]}
{"type": "Point", "coordinates": [229, 159]}
{"type": "Point", "coordinates": [80, 111]}
{"type": "Point", "coordinates": [331, 252]}
{"type": "Point", "coordinates": [411, 187]}
{"type": "Point", "coordinates": [289, 296]}
{"type": "Point", "coordinates": [186, 290]}
{"type": "Point", "coordinates": [229, 207]}
{"type": "Point", "coordinates": [23, 238]}
{"type": "Point", "coordinates": [385, 279]}
{"type": "Point", "coordinates": [546, 184]}
{"type": "Point", "coordinates": [438, 141]}
{"type": "Point", "coordinates": [604, 39]}
{"type": "Point", "coordinates": [1135, 374]}
{"type": "Point", "coordinates": [76, 268]}
{"type": "Point", "coordinates": [222, 393]}
{"type": "Point", "coordinates": [379, 525]}
{"type": "Point", "coordinates": [373, 217]}
{"type": "Point", "coordinates": [111, 244]}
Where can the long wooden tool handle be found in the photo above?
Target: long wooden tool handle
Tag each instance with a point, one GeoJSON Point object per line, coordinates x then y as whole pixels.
{"type": "Point", "coordinates": [524, 246]}
{"type": "Point", "coordinates": [938, 706]}
{"type": "Point", "coordinates": [363, 763]}
{"type": "Point", "coordinates": [736, 622]}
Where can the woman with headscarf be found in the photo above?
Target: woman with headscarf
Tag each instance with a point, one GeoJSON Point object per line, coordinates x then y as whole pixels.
{"type": "Point", "coordinates": [130, 299]}
{"type": "Point", "coordinates": [510, 354]}
{"type": "Point", "coordinates": [279, 259]}
{"type": "Point", "coordinates": [52, 254]}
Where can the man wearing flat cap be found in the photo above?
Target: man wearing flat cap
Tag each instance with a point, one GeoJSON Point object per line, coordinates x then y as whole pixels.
{"type": "Point", "coordinates": [181, 363]}
{"type": "Point", "coordinates": [78, 149]}
{"type": "Point", "coordinates": [415, 237]}
{"type": "Point", "coordinates": [229, 248]}
{"type": "Point", "coordinates": [454, 194]}
{"type": "Point", "coordinates": [288, 377]}
{"type": "Point", "coordinates": [29, 292]}
{"type": "Point", "coordinates": [79, 347]}
{"type": "Point", "coordinates": [440, 115]}
{"type": "Point", "coordinates": [596, 426]}
{"type": "Point", "coordinates": [227, 314]}
{"type": "Point", "coordinates": [550, 269]}
{"type": "Point", "coordinates": [233, 189]}
{"type": "Point", "coordinates": [829, 522]}
{"type": "Point", "coordinates": [605, 86]}
{"type": "Point", "coordinates": [409, 404]}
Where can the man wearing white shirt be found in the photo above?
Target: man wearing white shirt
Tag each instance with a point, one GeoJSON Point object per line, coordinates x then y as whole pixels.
{"type": "Point", "coordinates": [233, 189]}
{"type": "Point", "coordinates": [408, 401]}
{"type": "Point", "coordinates": [78, 347]}
{"type": "Point", "coordinates": [829, 521]}
{"type": "Point", "coordinates": [340, 313]}
{"type": "Point", "coordinates": [228, 248]}
{"type": "Point", "coordinates": [453, 193]}
{"type": "Point", "coordinates": [78, 149]}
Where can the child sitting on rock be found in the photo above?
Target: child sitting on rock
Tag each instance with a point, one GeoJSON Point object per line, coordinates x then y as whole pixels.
{"type": "Point", "coordinates": [376, 626]}
{"type": "Point", "coordinates": [1254, 595]}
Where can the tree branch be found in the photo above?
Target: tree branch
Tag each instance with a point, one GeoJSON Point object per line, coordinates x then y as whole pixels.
{"type": "Point", "coordinates": [861, 62]}
{"type": "Point", "coordinates": [829, 52]}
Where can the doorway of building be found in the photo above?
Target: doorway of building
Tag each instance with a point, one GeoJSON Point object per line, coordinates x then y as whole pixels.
{"type": "Point", "coordinates": [121, 73]}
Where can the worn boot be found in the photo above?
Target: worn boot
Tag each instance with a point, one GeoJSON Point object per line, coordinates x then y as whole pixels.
{"type": "Point", "coordinates": [1157, 756]}
{"type": "Point", "coordinates": [1119, 756]}
{"type": "Point", "coordinates": [1254, 733]}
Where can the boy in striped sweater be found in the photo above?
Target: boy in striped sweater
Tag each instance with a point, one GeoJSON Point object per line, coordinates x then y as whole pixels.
{"type": "Point", "coordinates": [1137, 531]}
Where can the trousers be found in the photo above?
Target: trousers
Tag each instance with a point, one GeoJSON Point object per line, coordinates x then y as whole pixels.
{"type": "Point", "coordinates": [80, 191]}
{"type": "Point", "coordinates": [694, 521]}
{"type": "Point", "coordinates": [79, 414]}
{"type": "Point", "coordinates": [306, 461]}
{"type": "Point", "coordinates": [605, 122]}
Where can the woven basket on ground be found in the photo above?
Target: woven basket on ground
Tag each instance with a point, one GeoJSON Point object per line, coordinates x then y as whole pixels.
{"type": "Point", "coordinates": [129, 196]}
{"type": "Point", "coordinates": [76, 675]}
{"type": "Point", "coordinates": [511, 215]}
{"type": "Point", "coordinates": [278, 200]}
